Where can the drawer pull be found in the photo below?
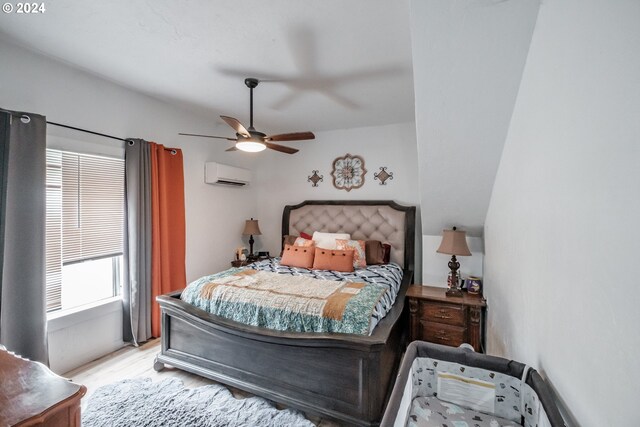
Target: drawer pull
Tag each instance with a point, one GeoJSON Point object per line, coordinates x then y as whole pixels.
{"type": "Point", "coordinates": [444, 317]}
{"type": "Point", "coordinates": [441, 336]}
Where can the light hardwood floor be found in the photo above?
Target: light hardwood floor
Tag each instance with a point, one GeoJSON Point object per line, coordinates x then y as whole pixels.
{"type": "Point", "coordinates": [137, 362]}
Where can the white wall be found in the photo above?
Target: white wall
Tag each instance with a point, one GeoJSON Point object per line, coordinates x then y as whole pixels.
{"type": "Point", "coordinates": [562, 238]}
{"type": "Point", "coordinates": [84, 334]}
{"type": "Point", "coordinates": [468, 57]}
{"type": "Point", "coordinates": [282, 179]}
{"type": "Point", "coordinates": [214, 215]}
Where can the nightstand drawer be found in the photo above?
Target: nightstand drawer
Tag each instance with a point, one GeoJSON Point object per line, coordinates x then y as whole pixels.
{"type": "Point", "coordinates": [451, 314]}
{"type": "Point", "coordinates": [443, 334]}
{"type": "Point", "coordinates": [443, 319]}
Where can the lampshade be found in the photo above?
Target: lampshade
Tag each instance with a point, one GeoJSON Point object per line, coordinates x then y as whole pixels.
{"type": "Point", "coordinates": [454, 242]}
{"type": "Point", "coordinates": [250, 146]}
{"type": "Point", "coordinates": [251, 227]}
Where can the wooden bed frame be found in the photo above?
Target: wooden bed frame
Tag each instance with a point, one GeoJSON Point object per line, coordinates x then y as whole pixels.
{"type": "Point", "coordinates": [341, 376]}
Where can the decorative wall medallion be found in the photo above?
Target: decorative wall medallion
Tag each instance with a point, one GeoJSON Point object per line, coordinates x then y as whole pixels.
{"type": "Point", "coordinates": [348, 172]}
{"type": "Point", "coordinates": [383, 175]}
{"type": "Point", "coordinates": [315, 178]}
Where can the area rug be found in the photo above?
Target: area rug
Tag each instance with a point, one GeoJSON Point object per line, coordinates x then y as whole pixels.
{"type": "Point", "coordinates": [142, 402]}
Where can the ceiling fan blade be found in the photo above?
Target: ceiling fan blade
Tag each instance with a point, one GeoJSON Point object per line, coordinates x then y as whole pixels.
{"type": "Point", "coordinates": [208, 136]}
{"type": "Point", "coordinates": [286, 100]}
{"type": "Point", "coordinates": [303, 48]}
{"type": "Point", "coordinates": [232, 149]}
{"type": "Point", "coordinates": [293, 136]}
{"type": "Point", "coordinates": [243, 73]}
{"type": "Point", "coordinates": [237, 126]}
{"type": "Point", "coordinates": [281, 148]}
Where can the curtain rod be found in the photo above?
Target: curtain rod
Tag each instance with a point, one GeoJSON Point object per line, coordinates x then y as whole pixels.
{"type": "Point", "coordinates": [173, 150]}
{"type": "Point", "coordinates": [87, 131]}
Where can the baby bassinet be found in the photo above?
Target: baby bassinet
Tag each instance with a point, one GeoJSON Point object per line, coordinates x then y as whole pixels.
{"type": "Point", "coordinates": [455, 387]}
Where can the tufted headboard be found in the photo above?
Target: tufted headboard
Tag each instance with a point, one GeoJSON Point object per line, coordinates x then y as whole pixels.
{"type": "Point", "coordinates": [383, 220]}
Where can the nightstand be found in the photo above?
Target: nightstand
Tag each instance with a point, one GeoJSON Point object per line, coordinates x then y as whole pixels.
{"type": "Point", "coordinates": [440, 319]}
{"type": "Point", "coordinates": [238, 263]}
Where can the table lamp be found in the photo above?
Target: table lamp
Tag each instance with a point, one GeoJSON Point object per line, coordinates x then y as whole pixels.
{"type": "Point", "coordinates": [454, 242]}
{"type": "Point", "coordinates": [251, 228]}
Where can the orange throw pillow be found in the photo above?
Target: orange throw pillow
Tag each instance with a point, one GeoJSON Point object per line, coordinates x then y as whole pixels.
{"type": "Point", "coordinates": [333, 259]}
{"type": "Point", "coordinates": [293, 240]}
{"type": "Point", "coordinates": [297, 256]}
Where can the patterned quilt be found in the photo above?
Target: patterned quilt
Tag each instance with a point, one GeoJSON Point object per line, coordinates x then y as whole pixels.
{"type": "Point", "coordinates": [269, 295]}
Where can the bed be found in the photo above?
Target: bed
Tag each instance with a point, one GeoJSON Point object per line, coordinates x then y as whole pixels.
{"type": "Point", "coordinates": [449, 387]}
{"type": "Point", "coordinates": [346, 377]}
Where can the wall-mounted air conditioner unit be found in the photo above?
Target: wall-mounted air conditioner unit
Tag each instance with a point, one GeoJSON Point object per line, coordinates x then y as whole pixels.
{"type": "Point", "coordinates": [216, 173]}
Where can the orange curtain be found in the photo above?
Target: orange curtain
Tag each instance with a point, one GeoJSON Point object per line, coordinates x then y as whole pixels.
{"type": "Point", "coordinates": [168, 226]}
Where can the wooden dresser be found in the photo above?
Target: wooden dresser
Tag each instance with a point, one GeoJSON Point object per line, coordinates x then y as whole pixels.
{"type": "Point", "coordinates": [30, 395]}
{"type": "Point", "coordinates": [440, 319]}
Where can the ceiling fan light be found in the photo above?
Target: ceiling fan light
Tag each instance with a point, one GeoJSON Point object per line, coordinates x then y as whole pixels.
{"type": "Point", "coordinates": [250, 146]}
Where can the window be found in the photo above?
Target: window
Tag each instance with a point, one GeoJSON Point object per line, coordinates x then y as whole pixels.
{"type": "Point", "coordinates": [85, 228]}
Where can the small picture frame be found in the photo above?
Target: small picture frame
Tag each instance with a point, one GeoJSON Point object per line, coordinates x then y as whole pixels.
{"type": "Point", "coordinates": [241, 253]}
{"type": "Point", "coordinates": [474, 285]}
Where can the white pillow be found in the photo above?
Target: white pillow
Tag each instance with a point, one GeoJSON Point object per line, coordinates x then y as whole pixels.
{"type": "Point", "coordinates": [328, 240]}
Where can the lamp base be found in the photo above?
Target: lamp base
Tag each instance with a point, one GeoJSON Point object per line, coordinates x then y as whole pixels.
{"type": "Point", "coordinates": [251, 242]}
{"type": "Point", "coordinates": [452, 280]}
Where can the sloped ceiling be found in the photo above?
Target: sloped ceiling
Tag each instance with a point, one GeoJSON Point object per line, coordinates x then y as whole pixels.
{"type": "Point", "coordinates": [468, 58]}
{"type": "Point", "coordinates": [330, 64]}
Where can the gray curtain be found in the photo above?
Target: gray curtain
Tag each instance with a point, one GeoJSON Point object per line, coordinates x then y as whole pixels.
{"type": "Point", "coordinates": [136, 294]}
{"type": "Point", "coordinates": [23, 317]}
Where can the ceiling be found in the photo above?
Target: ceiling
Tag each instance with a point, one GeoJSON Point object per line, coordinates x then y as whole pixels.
{"type": "Point", "coordinates": [326, 64]}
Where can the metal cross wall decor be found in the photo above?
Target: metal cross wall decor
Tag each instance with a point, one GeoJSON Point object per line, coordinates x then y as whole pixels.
{"type": "Point", "coordinates": [383, 175]}
{"type": "Point", "coordinates": [315, 178]}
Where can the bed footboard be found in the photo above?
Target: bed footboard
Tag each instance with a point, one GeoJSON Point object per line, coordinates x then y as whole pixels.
{"type": "Point", "coordinates": [347, 378]}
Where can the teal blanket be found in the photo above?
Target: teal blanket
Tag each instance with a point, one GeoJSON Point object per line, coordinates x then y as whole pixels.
{"type": "Point", "coordinates": [286, 303]}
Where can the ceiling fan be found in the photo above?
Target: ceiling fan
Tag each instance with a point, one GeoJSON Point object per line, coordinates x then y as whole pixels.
{"type": "Point", "coordinates": [250, 139]}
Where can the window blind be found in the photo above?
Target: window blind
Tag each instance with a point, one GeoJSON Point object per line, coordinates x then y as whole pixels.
{"type": "Point", "coordinates": [53, 243]}
{"type": "Point", "coordinates": [92, 207]}
{"type": "Point", "coordinates": [85, 213]}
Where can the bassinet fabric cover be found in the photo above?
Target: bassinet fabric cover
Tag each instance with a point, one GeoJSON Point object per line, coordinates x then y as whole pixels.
{"type": "Point", "coordinates": [529, 404]}
{"type": "Point", "coordinates": [431, 411]}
